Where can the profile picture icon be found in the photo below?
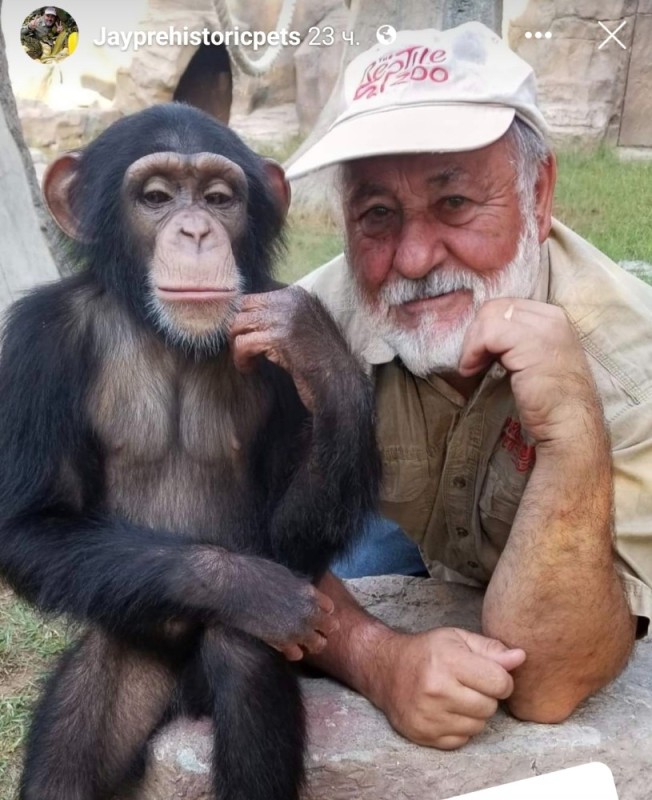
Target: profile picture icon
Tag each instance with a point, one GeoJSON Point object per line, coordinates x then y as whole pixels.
{"type": "Point", "coordinates": [49, 34]}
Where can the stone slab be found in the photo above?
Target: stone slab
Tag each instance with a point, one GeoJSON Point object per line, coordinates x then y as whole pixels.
{"type": "Point", "coordinates": [355, 755]}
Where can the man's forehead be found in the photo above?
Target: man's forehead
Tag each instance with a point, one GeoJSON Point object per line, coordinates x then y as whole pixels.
{"type": "Point", "coordinates": [367, 175]}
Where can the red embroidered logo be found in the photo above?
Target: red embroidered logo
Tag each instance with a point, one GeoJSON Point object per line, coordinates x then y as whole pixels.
{"type": "Point", "coordinates": [523, 455]}
{"type": "Point", "coordinates": [416, 63]}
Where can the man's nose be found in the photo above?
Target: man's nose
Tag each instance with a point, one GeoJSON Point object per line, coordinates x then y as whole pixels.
{"type": "Point", "coordinates": [420, 248]}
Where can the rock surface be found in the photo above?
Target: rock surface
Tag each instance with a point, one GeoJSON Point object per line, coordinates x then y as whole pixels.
{"type": "Point", "coordinates": [355, 755]}
{"type": "Point", "coordinates": [581, 83]}
{"type": "Point", "coordinates": [317, 68]}
{"type": "Point", "coordinates": [58, 132]}
{"type": "Point", "coordinates": [635, 128]}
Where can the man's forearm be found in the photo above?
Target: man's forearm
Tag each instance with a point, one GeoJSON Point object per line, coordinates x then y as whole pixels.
{"type": "Point", "coordinates": [555, 591]}
{"type": "Point", "coordinates": [350, 653]}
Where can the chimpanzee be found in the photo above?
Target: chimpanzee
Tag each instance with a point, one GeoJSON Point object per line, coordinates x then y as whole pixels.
{"type": "Point", "coordinates": [182, 451]}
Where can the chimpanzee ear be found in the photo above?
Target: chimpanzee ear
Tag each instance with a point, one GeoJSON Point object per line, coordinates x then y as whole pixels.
{"type": "Point", "coordinates": [57, 183]}
{"type": "Point", "coordinates": [279, 185]}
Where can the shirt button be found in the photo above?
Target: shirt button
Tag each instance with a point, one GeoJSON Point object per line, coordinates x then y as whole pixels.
{"type": "Point", "coordinates": [459, 482]}
{"type": "Point", "coordinates": [473, 564]}
{"type": "Point", "coordinates": [461, 532]}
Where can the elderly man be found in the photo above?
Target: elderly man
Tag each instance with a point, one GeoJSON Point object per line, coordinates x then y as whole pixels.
{"type": "Point", "coordinates": [500, 342]}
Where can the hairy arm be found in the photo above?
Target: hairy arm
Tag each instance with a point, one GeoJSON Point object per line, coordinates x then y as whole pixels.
{"type": "Point", "coordinates": [437, 688]}
{"type": "Point", "coordinates": [555, 591]}
{"type": "Point", "coordinates": [334, 483]}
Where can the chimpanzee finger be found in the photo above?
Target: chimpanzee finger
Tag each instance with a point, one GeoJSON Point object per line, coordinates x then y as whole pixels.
{"type": "Point", "coordinates": [327, 625]}
{"type": "Point", "coordinates": [291, 651]}
{"type": "Point", "coordinates": [314, 643]}
{"type": "Point", "coordinates": [257, 302]}
{"type": "Point", "coordinates": [247, 347]}
{"type": "Point", "coordinates": [324, 602]}
{"type": "Point", "coordinates": [249, 321]}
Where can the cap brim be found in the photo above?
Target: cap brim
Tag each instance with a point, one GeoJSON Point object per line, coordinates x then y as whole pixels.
{"type": "Point", "coordinates": [415, 129]}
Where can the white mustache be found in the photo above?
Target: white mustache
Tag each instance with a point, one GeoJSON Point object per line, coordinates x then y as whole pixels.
{"type": "Point", "coordinates": [436, 283]}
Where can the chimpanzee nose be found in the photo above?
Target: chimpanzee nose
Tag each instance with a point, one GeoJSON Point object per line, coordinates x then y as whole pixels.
{"type": "Point", "coordinates": [195, 226]}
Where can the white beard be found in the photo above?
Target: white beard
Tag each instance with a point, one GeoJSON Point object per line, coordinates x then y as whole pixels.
{"type": "Point", "coordinates": [429, 347]}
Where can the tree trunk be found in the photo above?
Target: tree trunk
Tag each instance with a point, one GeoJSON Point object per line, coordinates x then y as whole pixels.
{"type": "Point", "coordinates": [365, 17]}
{"type": "Point", "coordinates": [25, 226]}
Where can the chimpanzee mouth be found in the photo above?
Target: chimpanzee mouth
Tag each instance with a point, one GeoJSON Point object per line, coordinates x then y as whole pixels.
{"type": "Point", "coordinates": [195, 294]}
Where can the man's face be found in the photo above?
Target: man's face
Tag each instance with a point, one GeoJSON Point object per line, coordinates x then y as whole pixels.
{"type": "Point", "coordinates": [430, 237]}
{"type": "Point", "coordinates": [49, 19]}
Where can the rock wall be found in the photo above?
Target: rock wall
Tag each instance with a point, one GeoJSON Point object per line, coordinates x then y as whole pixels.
{"type": "Point", "coordinates": [582, 86]}
{"type": "Point", "coordinates": [155, 71]}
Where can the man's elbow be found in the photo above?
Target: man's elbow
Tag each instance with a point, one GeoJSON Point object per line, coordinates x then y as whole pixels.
{"type": "Point", "coordinates": [552, 704]}
{"type": "Point", "coordinates": [546, 710]}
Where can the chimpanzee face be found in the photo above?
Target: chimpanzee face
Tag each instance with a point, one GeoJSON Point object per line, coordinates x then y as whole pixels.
{"type": "Point", "coordinates": [188, 213]}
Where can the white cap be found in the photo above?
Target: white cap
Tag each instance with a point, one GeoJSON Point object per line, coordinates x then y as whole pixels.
{"type": "Point", "coordinates": [428, 91]}
{"type": "Point", "coordinates": [50, 10]}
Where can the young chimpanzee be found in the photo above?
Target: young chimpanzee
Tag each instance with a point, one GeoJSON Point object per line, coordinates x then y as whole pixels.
{"type": "Point", "coordinates": [182, 450]}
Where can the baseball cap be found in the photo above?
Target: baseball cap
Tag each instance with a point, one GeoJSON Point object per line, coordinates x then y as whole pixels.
{"type": "Point", "coordinates": [50, 10]}
{"type": "Point", "coordinates": [428, 91]}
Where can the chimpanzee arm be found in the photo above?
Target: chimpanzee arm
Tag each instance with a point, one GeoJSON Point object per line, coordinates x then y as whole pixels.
{"type": "Point", "coordinates": [56, 547]}
{"type": "Point", "coordinates": [331, 484]}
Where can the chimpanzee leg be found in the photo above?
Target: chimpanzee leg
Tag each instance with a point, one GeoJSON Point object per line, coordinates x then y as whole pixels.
{"type": "Point", "coordinates": [93, 720]}
{"type": "Point", "coordinates": [258, 718]}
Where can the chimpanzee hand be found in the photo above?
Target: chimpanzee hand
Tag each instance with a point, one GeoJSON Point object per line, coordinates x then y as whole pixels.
{"type": "Point", "coordinates": [286, 612]}
{"type": "Point", "coordinates": [291, 328]}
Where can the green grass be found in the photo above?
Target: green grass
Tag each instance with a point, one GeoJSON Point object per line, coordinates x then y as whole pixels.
{"type": "Point", "coordinates": [312, 241]}
{"type": "Point", "coordinates": [608, 202]}
{"type": "Point", "coordinates": [14, 717]}
{"type": "Point", "coordinates": [28, 645]}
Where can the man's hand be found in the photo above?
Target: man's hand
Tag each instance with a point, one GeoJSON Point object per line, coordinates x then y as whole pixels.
{"type": "Point", "coordinates": [440, 687]}
{"type": "Point", "coordinates": [550, 376]}
{"type": "Point", "coordinates": [437, 688]}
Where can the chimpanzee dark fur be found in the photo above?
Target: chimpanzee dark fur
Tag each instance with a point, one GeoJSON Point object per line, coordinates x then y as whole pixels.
{"type": "Point", "coordinates": [177, 505]}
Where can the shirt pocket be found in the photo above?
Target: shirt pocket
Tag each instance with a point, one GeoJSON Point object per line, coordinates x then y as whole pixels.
{"type": "Point", "coordinates": [499, 500]}
{"type": "Point", "coordinates": [404, 491]}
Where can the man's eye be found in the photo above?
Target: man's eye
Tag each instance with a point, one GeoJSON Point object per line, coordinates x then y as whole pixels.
{"type": "Point", "coordinates": [378, 221]}
{"type": "Point", "coordinates": [455, 202]}
{"type": "Point", "coordinates": [377, 214]}
{"type": "Point", "coordinates": [157, 197]}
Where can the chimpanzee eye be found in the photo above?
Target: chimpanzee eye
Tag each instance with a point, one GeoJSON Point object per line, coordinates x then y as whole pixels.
{"type": "Point", "coordinates": [156, 197]}
{"type": "Point", "coordinates": [218, 198]}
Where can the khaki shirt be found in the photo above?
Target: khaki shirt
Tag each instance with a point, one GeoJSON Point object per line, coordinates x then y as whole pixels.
{"type": "Point", "coordinates": [455, 470]}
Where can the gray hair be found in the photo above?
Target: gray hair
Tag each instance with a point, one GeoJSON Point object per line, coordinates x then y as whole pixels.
{"type": "Point", "coordinates": [530, 151]}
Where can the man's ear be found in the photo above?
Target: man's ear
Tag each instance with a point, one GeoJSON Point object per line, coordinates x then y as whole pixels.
{"type": "Point", "coordinates": [545, 190]}
{"type": "Point", "coordinates": [279, 185]}
{"type": "Point", "coordinates": [57, 183]}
